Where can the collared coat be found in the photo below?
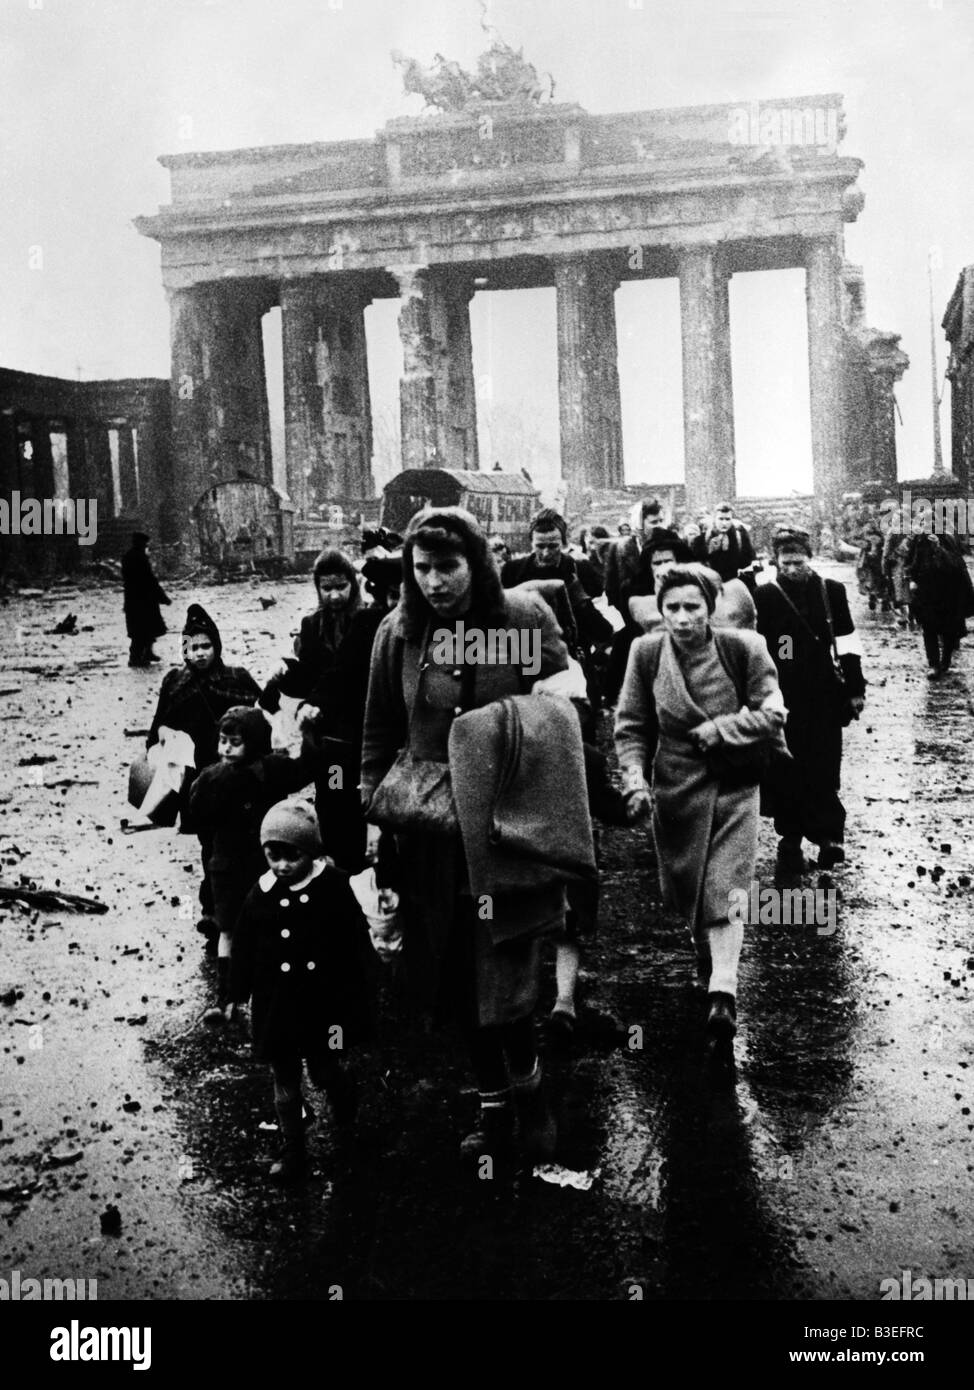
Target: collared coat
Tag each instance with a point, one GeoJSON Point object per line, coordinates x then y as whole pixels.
{"type": "Point", "coordinates": [705, 834]}
{"type": "Point", "coordinates": [304, 957]}
{"type": "Point", "coordinates": [409, 705]}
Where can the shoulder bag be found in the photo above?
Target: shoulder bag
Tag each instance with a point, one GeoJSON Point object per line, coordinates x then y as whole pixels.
{"type": "Point", "coordinates": [416, 794]}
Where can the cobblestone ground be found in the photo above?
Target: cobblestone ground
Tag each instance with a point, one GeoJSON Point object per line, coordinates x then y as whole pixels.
{"type": "Point", "coordinates": [835, 1154]}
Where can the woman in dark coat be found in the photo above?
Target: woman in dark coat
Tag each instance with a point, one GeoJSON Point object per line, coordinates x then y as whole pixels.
{"type": "Point", "coordinates": [331, 677]}
{"type": "Point", "coordinates": [690, 691]}
{"type": "Point", "coordinates": [143, 595]}
{"type": "Point", "coordinates": [941, 597]}
{"type": "Point", "coordinates": [482, 973]}
{"type": "Point", "coordinates": [192, 700]}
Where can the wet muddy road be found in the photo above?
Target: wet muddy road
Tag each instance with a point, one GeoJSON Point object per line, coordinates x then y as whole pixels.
{"type": "Point", "coordinates": [836, 1153]}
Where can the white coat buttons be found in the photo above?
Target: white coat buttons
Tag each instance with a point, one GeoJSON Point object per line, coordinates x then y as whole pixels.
{"type": "Point", "coordinates": [304, 898]}
{"type": "Point", "coordinates": [285, 966]}
{"type": "Point", "coordinates": [285, 933]}
{"type": "Point", "coordinates": [285, 902]}
{"type": "Point", "coordinates": [458, 709]}
{"type": "Point", "coordinates": [311, 965]}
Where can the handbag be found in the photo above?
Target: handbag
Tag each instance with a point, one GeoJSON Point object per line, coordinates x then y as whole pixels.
{"type": "Point", "coordinates": [840, 691]}
{"type": "Point", "coordinates": [416, 794]}
{"type": "Point", "coordinates": [159, 776]}
{"type": "Point", "coordinates": [745, 766]}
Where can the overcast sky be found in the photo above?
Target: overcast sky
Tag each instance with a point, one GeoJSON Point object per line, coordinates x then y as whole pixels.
{"type": "Point", "coordinates": [92, 91]}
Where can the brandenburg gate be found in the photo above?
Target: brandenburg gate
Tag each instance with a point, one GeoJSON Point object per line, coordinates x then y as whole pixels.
{"type": "Point", "coordinates": [503, 193]}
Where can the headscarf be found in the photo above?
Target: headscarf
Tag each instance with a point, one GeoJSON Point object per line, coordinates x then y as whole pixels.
{"type": "Point", "coordinates": [199, 623]}
{"type": "Point", "coordinates": [699, 575]}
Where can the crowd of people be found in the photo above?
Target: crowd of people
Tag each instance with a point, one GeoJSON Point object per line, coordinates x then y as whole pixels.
{"type": "Point", "coordinates": [456, 784]}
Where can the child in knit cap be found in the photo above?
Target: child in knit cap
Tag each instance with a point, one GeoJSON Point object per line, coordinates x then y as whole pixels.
{"type": "Point", "coordinates": [228, 801]}
{"type": "Point", "coordinates": [302, 954]}
{"type": "Point", "coordinates": [191, 700]}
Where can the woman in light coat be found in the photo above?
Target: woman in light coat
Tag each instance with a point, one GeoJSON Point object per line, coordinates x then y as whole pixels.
{"type": "Point", "coordinates": [693, 699]}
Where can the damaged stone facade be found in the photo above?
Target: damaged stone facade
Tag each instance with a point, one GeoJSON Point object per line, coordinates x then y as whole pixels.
{"type": "Point", "coordinates": [104, 442]}
{"type": "Point", "coordinates": [504, 195]}
{"type": "Point", "coordinates": [958, 324]}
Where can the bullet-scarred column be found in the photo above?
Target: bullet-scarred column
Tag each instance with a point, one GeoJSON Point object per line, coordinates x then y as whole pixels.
{"type": "Point", "coordinates": [707, 402]}
{"type": "Point", "coordinates": [304, 432]}
{"type": "Point", "coordinates": [822, 292]}
{"type": "Point", "coordinates": [327, 404]}
{"type": "Point", "coordinates": [418, 403]}
{"type": "Point", "coordinates": [588, 377]}
{"type": "Point", "coordinates": [726, 461]}
{"type": "Point", "coordinates": [458, 411]}
{"type": "Point", "coordinates": [219, 399]}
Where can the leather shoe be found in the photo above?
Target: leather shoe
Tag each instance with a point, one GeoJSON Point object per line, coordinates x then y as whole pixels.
{"type": "Point", "coordinates": [830, 854]}
{"type": "Point", "coordinates": [722, 1019]}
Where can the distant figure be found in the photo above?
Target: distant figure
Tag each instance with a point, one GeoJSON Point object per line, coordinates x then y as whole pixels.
{"type": "Point", "coordinates": [143, 595]}
{"type": "Point", "coordinates": [500, 551]}
{"type": "Point", "coordinates": [726, 547]}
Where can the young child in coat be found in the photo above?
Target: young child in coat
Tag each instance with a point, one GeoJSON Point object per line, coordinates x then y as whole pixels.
{"type": "Point", "coordinates": [302, 954]}
{"type": "Point", "coordinates": [228, 801]}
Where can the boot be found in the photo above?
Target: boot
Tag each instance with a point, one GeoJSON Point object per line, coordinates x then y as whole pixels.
{"type": "Point", "coordinates": [536, 1124]}
{"type": "Point", "coordinates": [222, 1010]}
{"type": "Point", "coordinates": [830, 853]}
{"type": "Point", "coordinates": [790, 858]}
{"type": "Point", "coordinates": [290, 1167]}
{"type": "Point", "coordinates": [342, 1094]}
{"type": "Point", "coordinates": [494, 1135]}
{"type": "Point", "coordinates": [722, 1018]}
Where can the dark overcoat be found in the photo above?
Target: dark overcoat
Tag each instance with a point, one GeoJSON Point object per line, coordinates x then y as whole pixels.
{"type": "Point", "coordinates": [304, 957]}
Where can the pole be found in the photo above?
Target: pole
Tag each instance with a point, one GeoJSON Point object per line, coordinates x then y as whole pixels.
{"type": "Point", "coordinates": [938, 458]}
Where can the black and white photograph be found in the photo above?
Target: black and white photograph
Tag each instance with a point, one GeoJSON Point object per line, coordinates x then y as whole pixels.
{"type": "Point", "coordinates": [486, 698]}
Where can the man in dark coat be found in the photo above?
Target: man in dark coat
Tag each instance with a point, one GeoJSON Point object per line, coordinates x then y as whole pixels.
{"type": "Point", "coordinates": [622, 560]}
{"type": "Point", "coordinates": [143, 595]}
{"type": "Point", "coordinates": [549, 559]}
{"type": "Point", "coordinates": [726, 547]}
{"type": "Point", "coordinates": [793, 617]}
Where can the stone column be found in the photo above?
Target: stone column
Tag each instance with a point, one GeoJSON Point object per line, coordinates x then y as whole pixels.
{"type": "Point", "coordinates": [603, 284]}
{"type": "Point", "coordinates": [707, 399]}
{"type": "Point", "coordinates": [99, 469]}
{"type": "Point", "coordinates": [725, 382]}
{"type": "Point", "coordinates": [304, 429]}
{"type": "Point", "coordinates": [219, 396]}
{"type": "Point", "coordinates": [458, 412]}
{"type": "Point", "coordinates": [79, 480]}
{"type": "Point", "coordinates": [343, 373]}
{"type": "Point", "coordinates": [418, 404]}
{"type": "Point", "coordinates": [823, 297]}
{"type": "Point", "coordinates": [887, 363]}
{"type": "Point", "coordinates": [588, 375]}
{"type": "Point", "coordinates": [190, 472]}
{"type": "Point", "coordinates": [327, 403]}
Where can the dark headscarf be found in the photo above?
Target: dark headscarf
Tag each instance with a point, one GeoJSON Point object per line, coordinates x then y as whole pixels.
{"type": "Point", "coordinates": [199, 623]}
{"type": "Point", "coordinates": [706, 580]}
{"type": "Point", "coordinates": [449, 531]}
{"type": "Point", "coordinates": [791, 538]}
